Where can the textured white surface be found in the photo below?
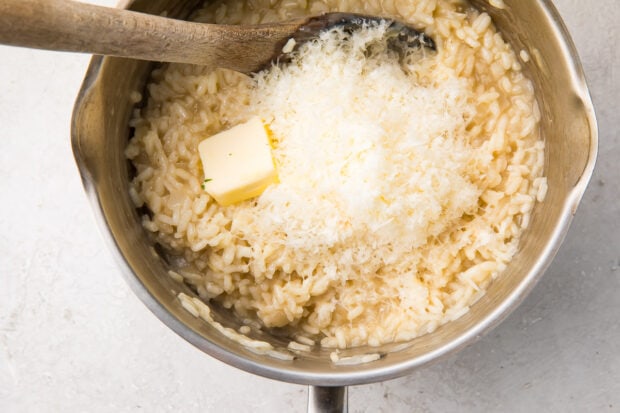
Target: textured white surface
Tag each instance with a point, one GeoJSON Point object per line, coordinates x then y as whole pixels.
{"type": "Point", "coordinates": [74, 338]}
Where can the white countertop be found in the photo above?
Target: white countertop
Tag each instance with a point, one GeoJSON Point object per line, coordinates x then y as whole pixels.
{"type": "Point", "coordinates": [73, 338]}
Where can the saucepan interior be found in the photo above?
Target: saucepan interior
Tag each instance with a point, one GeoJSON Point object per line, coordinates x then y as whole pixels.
{"type": "Point", "coordinates": [100, 133]}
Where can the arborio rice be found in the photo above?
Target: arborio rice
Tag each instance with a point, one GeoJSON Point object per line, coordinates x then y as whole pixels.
{"type": "Point", "coordinates": [387, 228]}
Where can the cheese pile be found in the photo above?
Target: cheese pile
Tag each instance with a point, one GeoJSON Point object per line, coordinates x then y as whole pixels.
{"type": "Point", "coordinates": [364, 148]}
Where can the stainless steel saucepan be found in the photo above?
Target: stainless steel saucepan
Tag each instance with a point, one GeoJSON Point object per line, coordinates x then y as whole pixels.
{"type": "Point", "coordinates": [100, 134]}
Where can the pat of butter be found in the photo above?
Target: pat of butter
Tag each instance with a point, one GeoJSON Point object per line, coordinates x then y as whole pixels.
{"type": "Point", "coordinates": [237, 163]}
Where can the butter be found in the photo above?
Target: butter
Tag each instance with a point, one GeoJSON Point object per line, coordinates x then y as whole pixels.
{"type": "Point", "coordinates": [237, 163]}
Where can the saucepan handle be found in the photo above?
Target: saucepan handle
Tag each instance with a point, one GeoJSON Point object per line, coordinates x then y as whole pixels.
{"type": "Point", "coordinates": [327, 399]}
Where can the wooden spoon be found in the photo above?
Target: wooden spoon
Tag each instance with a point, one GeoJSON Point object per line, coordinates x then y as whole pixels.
{"type": "Point", "coordinates": [71, 26]}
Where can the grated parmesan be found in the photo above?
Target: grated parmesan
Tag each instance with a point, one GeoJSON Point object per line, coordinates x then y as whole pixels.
{"type": "Point", "coordinates": [358, 157]}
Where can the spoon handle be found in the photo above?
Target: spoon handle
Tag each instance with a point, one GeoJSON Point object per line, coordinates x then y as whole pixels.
{"type": "Point", "coordinates": [71, 26]}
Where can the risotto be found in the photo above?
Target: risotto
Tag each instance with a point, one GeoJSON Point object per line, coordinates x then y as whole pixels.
{"type": "Point", "coordinates": [403, 184]}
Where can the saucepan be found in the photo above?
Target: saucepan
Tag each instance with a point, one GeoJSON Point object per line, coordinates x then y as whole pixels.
{"type": "Point", "coordinates": [100, 133]}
